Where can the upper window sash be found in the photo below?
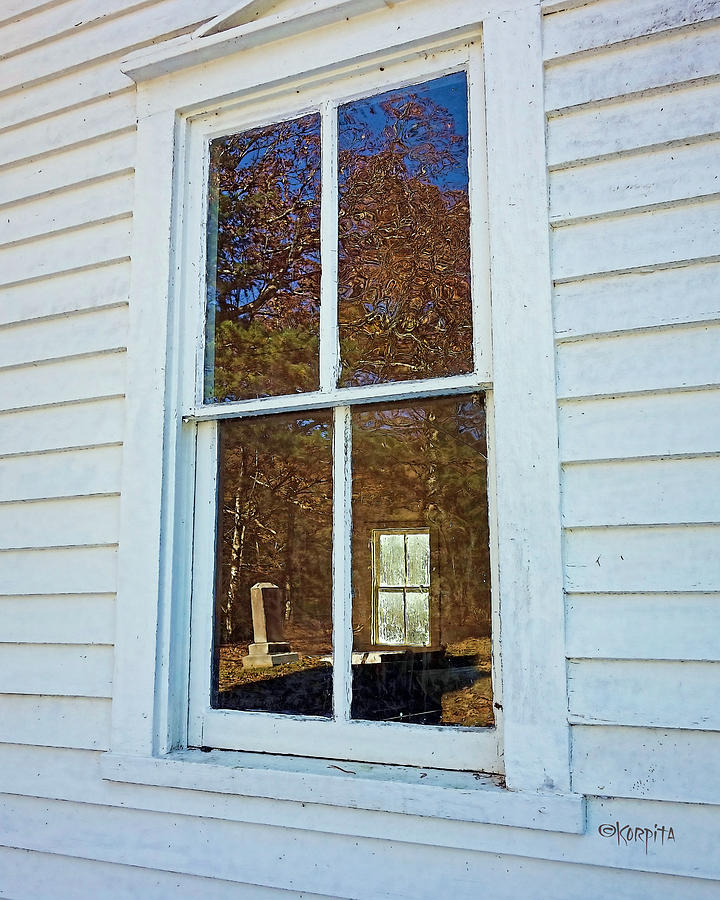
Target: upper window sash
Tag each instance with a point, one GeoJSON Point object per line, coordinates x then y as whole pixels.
{"type": "Point", "coordinates": [306, 100]}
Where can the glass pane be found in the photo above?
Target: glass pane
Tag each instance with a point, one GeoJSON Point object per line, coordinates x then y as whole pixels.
{"type": "Point", "coordinates": [420, 470]}
{"type": "Point", "coordinates": [390, 619]}
{"type": "Point", "coordinates": [418, 559]}
{"type": "Point", "coordinates": [263, 279]}
{"type": "Point", "coordinates": [273, 621]}
{"type": "Point", "coordinates": [417, 618]}
{"type": "Point", "coordinates": [404, 247]}
{"type": "Point", "coordinates": [392, 560]}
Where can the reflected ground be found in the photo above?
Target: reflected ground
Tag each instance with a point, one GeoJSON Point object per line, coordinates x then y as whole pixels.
{"type": "Point", "coordinates": [450, 686]}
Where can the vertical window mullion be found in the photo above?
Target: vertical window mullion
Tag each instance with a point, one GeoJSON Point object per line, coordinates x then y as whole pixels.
{"type": "Point", "coordinates": [329, 346]}
{"type": "Point", "coordinates": [341, 569]}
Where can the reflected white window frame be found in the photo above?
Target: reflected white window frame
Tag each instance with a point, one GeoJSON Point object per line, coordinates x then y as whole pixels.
{"type": "Point", "coordinates": [376, 543]}
{"type": "Point", "coordinates": [189, 76]}
{"type": "Point", "coordinates": [341, 737]}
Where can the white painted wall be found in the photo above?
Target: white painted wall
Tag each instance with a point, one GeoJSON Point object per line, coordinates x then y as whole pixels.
{"type": "Point", "coordinates": [633, 134]}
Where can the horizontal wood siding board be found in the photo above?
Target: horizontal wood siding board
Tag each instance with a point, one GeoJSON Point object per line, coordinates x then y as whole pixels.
{"type": "Point", "coordinates": [58, 619]}
{"type": "Point", "coordinates": [93, 244]}
{"type": "Point", "coordinates": [41, 137]}
{"type": "Point", "coordinates": [84, 424]}
{"type": "Point", "coordinates": [658, 764]}
{"type": "Point", "coordinates": [682, 422]}
{"type": "Point", "coordinates": [65, 92]}
{"type": "Point", "coordinates": [70, 670]}
{"type": "Point", "coordinates": [673, 558]}
{"type": "Point", "coordinates": [116, 36]}
{"type": "Point", "coordinates": [642, 492]}
{"type": "Point", "coordinates": [77, 521]}
{"type": "Point", "coordinates": [670, 694]}
{"type": "Point", "coordinates": [306, 861]}
{"type": "Point", "coordinates": [75, 722]}
{"type": "Point", "coordinates": [38, 875]}
{"type": "Point", "coordinates": [672, 116]}
{"type": "Point", "coordinates": [64, 570]}
{"type": "Point", "coordinates": [615, 303]}
{"type": "Point", "coordinates": [100, 159]}
{"type": "Point", "coordinates": [643, 179]}
{"type": "Point", "coordinates": [63, 474]}
{"type": "Point", "coordinates": [633, 240]}
{"type": "Point", "coordinates": [644, 626]}
{"type": "Point", "coordinates": [58, 295]}
{"type": "Point", "coordinates": [69, 208]}
{"type": "Point", "coordinates": [597, 25]}
{"type": "Point", "coordinates": [672, 358]}
{"type": "Point", "coordinates": [78, 378]}
{"type": "Point", "coordinates": [86, 332]}
{"type": "Point", "coordinates": [686, 55]}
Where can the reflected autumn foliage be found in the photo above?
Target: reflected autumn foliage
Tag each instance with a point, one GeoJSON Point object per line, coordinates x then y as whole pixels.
{"type": "Point", "coordinates": [264, 262]}
{"type": "Point", "coordinates": [275, 525]}
{"type": "Point", "coordinates": [404, 249]}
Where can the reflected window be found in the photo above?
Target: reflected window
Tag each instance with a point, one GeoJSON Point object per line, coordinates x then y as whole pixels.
{"type": "Point", "coordinates": [401, 578]}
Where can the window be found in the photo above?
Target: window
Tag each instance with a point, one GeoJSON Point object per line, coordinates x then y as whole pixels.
{"type": "Point", "coordinates": [188, 410]}
{"type": "Point", "coordinates": [345, 395]}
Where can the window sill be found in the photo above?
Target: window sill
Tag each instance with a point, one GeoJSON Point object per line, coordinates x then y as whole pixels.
{"type": "Point", "coordinates": [460, 796]}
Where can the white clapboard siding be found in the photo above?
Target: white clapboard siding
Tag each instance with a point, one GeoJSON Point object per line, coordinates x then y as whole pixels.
{"type": "Point", "coordinates": [60, 20]}
{"type": "Point", "coordinates": [633, 240]}
{"type": "Point", "coordinates": [64, 570]}
{"type": "Point", "coordinates": [38, 875]}
{"type": "Point", "coordinates": [85, 332]}
{"type": "Point", "coordinates": [109, 155]}
{"type": "Point", "coordinates": [681, 422]}
{"type": "Point", "coordinates": [86, 377]}
{"type": "Point", "coordinates": [306, 861]}
{"type": "Point", "coordinates": [102, 38]}
{"type": "Point", "coordinates": [594, 25]}
{"type": "Point", "coordinates": [638, 558]}
{"type": "Point", "coordinates": [643, 626]}
{"type": "Point", "coordinates": [65, 92]}
{"type": "Point", "coordinates": [81, 722]}
{"type": "Point", "coordinates": [65, 473]}
{"type": "Point", "coordinates": [657, 764]}
{"type": "Point", "coordinates": [637, 300]}
{"type": "Point", "coordinates": [635, 122]}
{"type": "Point", "coordinates": [84, 424]}
{"type": "Point", "coordinates": [99, 201]}
{"type": "Point", "coordinates": [677, 694]}
{"type": "Point", "coordinates": [58, 619]}
{"type": "Point", "coordinates": [642, 492]}
{"type": "Point", "coordinates": [670, 358]}
{"type": "Point", "coordinates": [57, 295]}
{"type": "Point", "coordinates": [658, 61]}
{"type": "Point", "coordinates": [114, 115]}
{"type": "Point", "coordinates": [59, 523]}
{"type": "Point", "coordinates": [61, 670]}
{"type": "Point", "coordinates": [94, 244]}
{"type": "Point", "coordinates": [642, 179]}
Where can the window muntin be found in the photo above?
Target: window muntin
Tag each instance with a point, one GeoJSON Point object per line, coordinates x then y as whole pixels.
{"type": "Point", "coordinates": [233, 729]}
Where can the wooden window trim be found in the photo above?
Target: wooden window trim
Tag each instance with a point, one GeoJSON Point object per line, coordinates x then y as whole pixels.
{"type": "Point", "coordinates": [150, 686]}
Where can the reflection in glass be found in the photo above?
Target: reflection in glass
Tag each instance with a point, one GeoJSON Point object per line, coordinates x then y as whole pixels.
{"type": "Point", "coordinates": [273, 620]}
{"type": "Point", "coordinates": [263, 278]}
{"type": "Point", "coordinates": [404, 247]}
{"type": "Point", "coordinates": [421, 563]}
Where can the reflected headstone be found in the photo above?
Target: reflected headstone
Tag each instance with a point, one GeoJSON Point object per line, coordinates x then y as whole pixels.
{"type": "Point", "coordinates": [269, 647]}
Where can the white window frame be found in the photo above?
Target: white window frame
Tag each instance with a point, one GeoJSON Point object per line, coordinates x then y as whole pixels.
{"type": "Point", "coordinates": [340, 737]}
{"type": "Point", "coordinates": [189, 77]}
